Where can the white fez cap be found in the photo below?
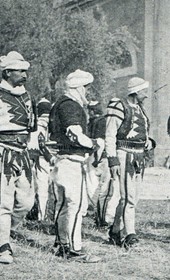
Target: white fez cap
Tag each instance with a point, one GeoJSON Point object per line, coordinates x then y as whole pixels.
{"type": "Point", "coordinates": [79, 78]}
{"type": "Point", "coordinates": [136, 84]}
{"type": "Point", "coordinates": [13, 60]}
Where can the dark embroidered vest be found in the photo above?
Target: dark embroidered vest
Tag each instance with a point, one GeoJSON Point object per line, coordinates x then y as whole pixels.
{"type": "Point", "coordinates": [127, 124]}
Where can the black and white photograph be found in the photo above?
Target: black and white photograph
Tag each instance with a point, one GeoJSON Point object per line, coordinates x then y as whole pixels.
{"type": "Point", "coordinates": [84, 140]}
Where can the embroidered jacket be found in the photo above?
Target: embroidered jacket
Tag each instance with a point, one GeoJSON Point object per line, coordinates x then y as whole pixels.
{"type": "Point", "coordinates": [17, 117]}
{"type": "Point", "coordinates": [126, 127]}
{"type": "Point", "coordinates": [16, 112]}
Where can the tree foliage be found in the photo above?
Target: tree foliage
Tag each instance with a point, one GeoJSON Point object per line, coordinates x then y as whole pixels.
{"type": "Point", "coordinates": [57, 42]}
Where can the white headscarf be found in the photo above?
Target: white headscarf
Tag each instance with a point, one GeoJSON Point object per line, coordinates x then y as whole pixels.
{"type": "Point", "coordinates": [75, 82]}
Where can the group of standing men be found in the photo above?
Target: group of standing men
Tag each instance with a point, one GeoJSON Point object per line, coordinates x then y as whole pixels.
{"type": "Point", "coordinates": [119, 150]}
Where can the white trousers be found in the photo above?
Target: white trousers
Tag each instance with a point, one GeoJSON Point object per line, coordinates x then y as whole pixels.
{"type": "Point", "coordinates": [130, 186]}
{"type": "Point", "coordinates": [103, 193]}
{"type": "Point", "coordinates": [41, 185]}
{"type": "Point", "coordinates": [69, 181]}
{"type": "Point", "coordinates": [16, 192]}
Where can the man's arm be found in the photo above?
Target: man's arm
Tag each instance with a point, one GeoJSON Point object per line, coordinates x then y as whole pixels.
{"type": "Point", "coordinates": [36, 145]}
{"type": "Point", "coordinates": [33, 116]}
{"type": "Point", "coordinates": [114, 118]}
{"type": "Point", "coordinates": [76, 135]}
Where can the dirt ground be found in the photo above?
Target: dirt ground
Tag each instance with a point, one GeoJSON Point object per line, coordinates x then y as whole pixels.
{"type": "Point", "coordinates": [156, 183]}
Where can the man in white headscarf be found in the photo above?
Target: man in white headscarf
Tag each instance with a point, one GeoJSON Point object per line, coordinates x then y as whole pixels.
{"type": "Point", "coordinates": [17, 120]}
{"type": "Point", "coordinates": [69, 130]}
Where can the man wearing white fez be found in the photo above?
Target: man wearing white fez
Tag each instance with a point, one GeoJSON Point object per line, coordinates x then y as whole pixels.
{"type": "Point", "coordinates": [17, 120]}
{"type": "Point", "coordinates": [127, 140]}
{"type": "Point", "coordinates": [69, 131]}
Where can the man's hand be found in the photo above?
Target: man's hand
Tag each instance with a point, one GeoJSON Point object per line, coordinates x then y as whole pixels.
{"type": "Point", "coordinates": [115, 171]}
{"type": "Point", "coordinates": [53, 160]}
{"type": "Point", "coordinates": [150, 144]}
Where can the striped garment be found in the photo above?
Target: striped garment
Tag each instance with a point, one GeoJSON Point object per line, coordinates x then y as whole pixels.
{"type": "Point", "coordinates": [125, 122]}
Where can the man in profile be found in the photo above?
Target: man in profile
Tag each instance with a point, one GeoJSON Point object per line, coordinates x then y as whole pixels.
{"type": "Point", "coordinates": [127, 140]}
{"type": "Point", "coordinates": [17, 120]}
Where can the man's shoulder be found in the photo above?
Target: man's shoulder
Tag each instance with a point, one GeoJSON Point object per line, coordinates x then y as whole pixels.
{"type": "Point", "coordinates": [67, 107]}
{"type": "Point", "coordinates": [71, 105]}
{"type": "Point", "coordinates": [64, 100]}
{"type": "Point", "coordinates": [3, 90]}
{"type": "Point", "coordinates": [114, 99]}
{"type": "Point", "coordinates": [60, 99]}
{"type": "Point", "coordinates": [115, 108]}
{"type": "Point", "coordinates": [115, 102]}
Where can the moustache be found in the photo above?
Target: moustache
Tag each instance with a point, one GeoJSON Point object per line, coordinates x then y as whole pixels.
{"type": "Point", "coordinates": [23, 80]}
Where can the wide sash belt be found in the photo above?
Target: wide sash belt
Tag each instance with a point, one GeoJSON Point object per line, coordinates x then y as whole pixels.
{"type": "Point", "coordinates": [130, 144]}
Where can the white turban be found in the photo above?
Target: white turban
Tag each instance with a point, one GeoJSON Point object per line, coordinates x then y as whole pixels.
{"type": "Point", "coordinates": [79, 78]}
{"type": "Point", "coordinates": [13, 60]}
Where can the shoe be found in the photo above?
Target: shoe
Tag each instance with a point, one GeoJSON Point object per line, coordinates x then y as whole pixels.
{"type": "Point", "coordinates": [89, 259]}
{"type": "Point", "coordinates": [130, 241]}
{"type": "Point", "coordinates": [6, 254]}
{"type": "Point", "coordinates": [104, 224]}
{"type": "Point", "coordinates": [60, 250]}
{"type": "Point", "coordinates": [70, 255]}
{"type": "Point", "coordinates": [20, 237]}
{"type": "Point", "coordinates": [82, 257]}
{"type": "Point", "coordinates": [115, 238]}
{"type": "Point", "coordinates": [76, 255]}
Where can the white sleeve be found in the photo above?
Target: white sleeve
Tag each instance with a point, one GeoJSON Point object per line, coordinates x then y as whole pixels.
{"type": "Point", "coordinates": [76, 135]}
{"type": "Point", "coordinates": [114, 118]}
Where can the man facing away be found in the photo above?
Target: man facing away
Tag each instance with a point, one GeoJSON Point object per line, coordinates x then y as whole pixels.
{"type": "Point", "coordinates": [17, 120]}
{"type": "Point", "coordinates": [41, 159]}
{"type": "Point", "coordinates": [69, 174]}
{"type": "Point", "coordinates": [127, 140]}
{"type": "Point", "coordinates": [102, 197]}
